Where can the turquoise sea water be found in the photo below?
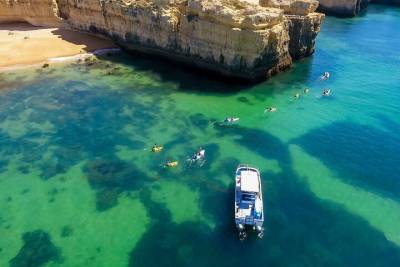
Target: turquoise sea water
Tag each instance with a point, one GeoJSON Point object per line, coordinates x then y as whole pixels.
{"type": "Point", "coordinates": [80, 187]}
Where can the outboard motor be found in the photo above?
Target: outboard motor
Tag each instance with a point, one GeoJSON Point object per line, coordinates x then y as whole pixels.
{"type": "Point", "coordinates": [242, 232]}
{"type": "Point", "coordinates": [260, 231]}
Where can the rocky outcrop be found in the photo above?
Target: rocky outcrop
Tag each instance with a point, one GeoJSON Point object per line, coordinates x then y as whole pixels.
{"type": "Point", "coordinates": [35, 12]}
{"type": "Point", "coordinates": [304, 24]}
{"type": "Point", "coordinates": [349, 8]}
{"type": "Point", "coordinates": [342, 8]}
{"type": "Point", "coordinates": [231, 37]}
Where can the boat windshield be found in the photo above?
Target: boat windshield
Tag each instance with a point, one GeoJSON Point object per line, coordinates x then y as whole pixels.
{"type": "Point", "coordinates": [248, 197]}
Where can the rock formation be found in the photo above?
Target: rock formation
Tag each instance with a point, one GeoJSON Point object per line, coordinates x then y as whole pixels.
{"type": "Point", "coordinates": [342, 8]}
{"type": "Point", "coordinates": [35, 12]}
{"type": "Point", "coordinates": [304, 24]}
{"type": "Point", "coordinates": [231, 37]}
{"type": "Point", "coordinates": [349, 8]}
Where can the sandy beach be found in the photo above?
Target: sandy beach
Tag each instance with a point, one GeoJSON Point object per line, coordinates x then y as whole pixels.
{"type": "Point", "coordinates": [22, 44]}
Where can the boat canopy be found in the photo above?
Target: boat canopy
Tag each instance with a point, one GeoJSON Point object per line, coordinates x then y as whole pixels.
{"type": "Point", "coordinates": [249, 181]}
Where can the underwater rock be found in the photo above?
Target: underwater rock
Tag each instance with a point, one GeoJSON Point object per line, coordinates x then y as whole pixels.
{"type": "Point", "coordinates": [109, 178]}
{"type": "Point", "coordinates": [106, 199]}
{"type": "Point", "coordinates": [107, 173]}
{"type": "Point", "coordinates": [36, 251]}
{"type": "Point", "coordinates": [66, 231]}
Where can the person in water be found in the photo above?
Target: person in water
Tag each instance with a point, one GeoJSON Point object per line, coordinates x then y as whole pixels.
{"type": "Point", "coordinates": [270, 109]}
{"type": "Point", "coordinates": [156, 148]}
{"type": "Point", "coordinates": [198, 157]}
{"type": "Point", "coordinates": [297, 95]}
{"type": "Point", "coordinates": [171, 163]}
{"type": "Point", "coordinates": [326, 92]}
{"type": "Point", "coordinates": [306, 91]}
{"type": "Point", "coordinates": [230, 120]}
{"type": "Point", "coordinates": [325, 76]}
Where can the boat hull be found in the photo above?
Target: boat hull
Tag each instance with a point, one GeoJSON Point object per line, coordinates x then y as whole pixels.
{"type": "Point", "coordinates": [248, 201]}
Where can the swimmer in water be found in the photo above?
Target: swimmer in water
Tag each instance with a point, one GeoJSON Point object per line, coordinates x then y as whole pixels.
{"type": "Point", "coordinates": [326, 92]}
{"type": "Point", "coordinates": [325, 76]}
{"type": "Point", "coordinates": [270, 109]}
{"type": "Point", "coordinates": [171, 164]}
{"type": "Point", "coordinates": [156, 148]}
{"type": "Point", "coordinates": [230, 120]}
{"type": "Point", "coordinates": [198, 157]}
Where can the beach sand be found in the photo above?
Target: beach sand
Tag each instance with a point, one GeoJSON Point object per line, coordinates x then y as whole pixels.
{"type": "Point", "coordinates": [22, 44]}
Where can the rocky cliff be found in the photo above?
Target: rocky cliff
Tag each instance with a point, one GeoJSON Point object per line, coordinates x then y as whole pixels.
{"type": "Point", "coordinates": [342, 8]}
{"type": "Point", "coordinates": [349, 8]}
{"type": "Point", "coordinates": [304, 24]}
{"type": "Point", "coordinates": [35, 12]}
{"type": "Point", "coordinates": [230, 37]}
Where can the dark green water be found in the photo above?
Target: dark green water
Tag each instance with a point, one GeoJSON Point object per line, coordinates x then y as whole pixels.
{"type": "Point", "coordinates": [80, 187]}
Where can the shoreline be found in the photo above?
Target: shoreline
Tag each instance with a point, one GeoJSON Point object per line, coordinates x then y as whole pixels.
{"type": "Point", "coordinates": [60, 60]}
{"type": "Point", "coordinates": [24, 46]}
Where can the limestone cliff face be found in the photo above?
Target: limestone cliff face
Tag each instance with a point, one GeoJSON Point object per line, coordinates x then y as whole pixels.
{"type": "Point", "coordinates": [343, 8]}
{"type": "Point", "coordinates": [36, 12]}
{"type": "Point", "coordinates": [231, 37]}
{"type": "Point", "coordinates": [304, 24]}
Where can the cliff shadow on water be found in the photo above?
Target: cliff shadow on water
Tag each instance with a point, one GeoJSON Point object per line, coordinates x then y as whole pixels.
{"type": "Point", "coordinates": [188, 78]}
{"type": "Point", "coordinates": [192, 80]}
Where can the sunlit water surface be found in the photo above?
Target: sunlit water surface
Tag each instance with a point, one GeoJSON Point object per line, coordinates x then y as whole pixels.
{"type": "Point", "coordinates": [80, 187]}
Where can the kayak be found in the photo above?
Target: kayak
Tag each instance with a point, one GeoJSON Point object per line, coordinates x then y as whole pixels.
{"type": "Point", "coordinates": [171, 164]}
{"type": "Point", "coordinates": [157, 148]}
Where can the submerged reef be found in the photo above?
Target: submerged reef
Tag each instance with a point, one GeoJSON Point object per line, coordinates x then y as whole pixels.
{"type": "Point", "coordinates": [36, 251]}
{"type": "Point", "coordinates": [109, 178]}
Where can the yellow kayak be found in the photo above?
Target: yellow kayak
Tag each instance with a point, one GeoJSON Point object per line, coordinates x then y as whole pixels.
{"type": "Point", "coordinates": [171, 164]}
{"type": "Point", "coordinates": [157, 148]}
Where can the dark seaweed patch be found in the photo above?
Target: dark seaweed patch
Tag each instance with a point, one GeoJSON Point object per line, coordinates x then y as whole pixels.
{"type": "Point", "coordinates": [244, 99]}
{"type": "Point", "coordinates": [111, 177]}
{"type": "Point", "coordinates": [335, 141]}
{"type": "Point", "coordinates": [52, 192]}
{"type": "Point", "coordinates": [26, 190]}
{"type": "Point", "coordinates": [36, 251]}
{"type": "Point", "coordinates": [106, 199]}
{"type": "Point", "coordinates": [199, 121]}
{"type": "Point", "coordinates": [66, 231]}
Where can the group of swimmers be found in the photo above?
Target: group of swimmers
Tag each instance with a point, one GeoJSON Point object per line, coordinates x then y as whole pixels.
{"type": "Point", "coordinates": [324, 77]}
{"type": "Point", "coordinates": [325, 92]}
{"type": "Point", "coordinates": [198, 157]}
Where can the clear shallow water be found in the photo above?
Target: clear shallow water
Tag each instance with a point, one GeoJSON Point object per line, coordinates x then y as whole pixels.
{"type": "Point", "coordinates": [79, 186]}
